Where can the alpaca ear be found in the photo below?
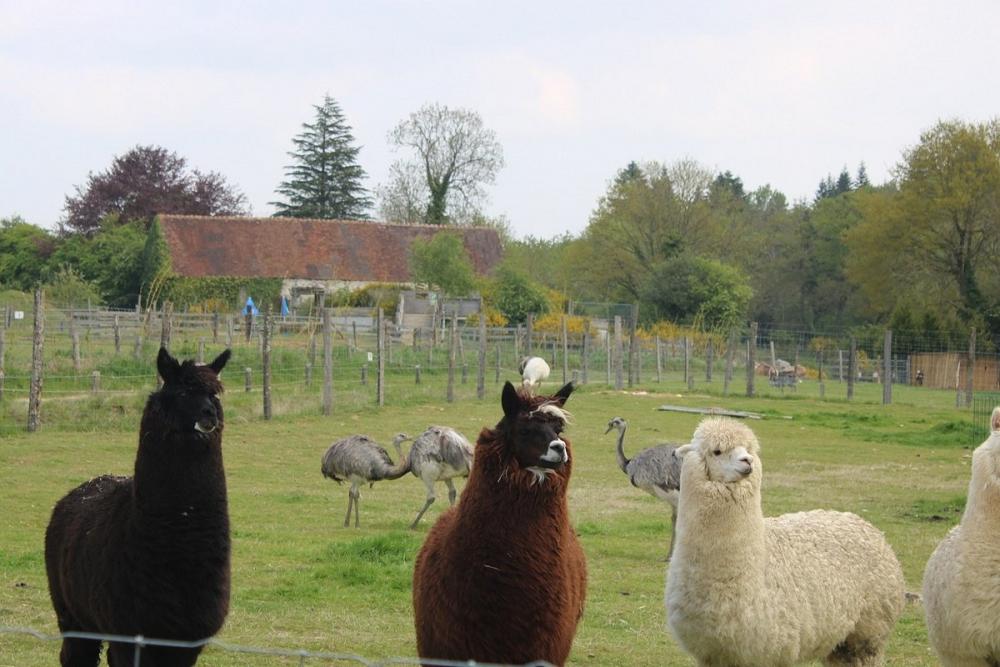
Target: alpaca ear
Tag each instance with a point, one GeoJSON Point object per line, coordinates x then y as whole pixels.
{"type": "Point", "coordinates": [682, 451]}
{"type": "Point", "coordinates": [995, 420]}
{"type": "Point", "coordinates": [564, 393]}
{"type": "Point", "coordinates": [510, 401]}
{"type": "Point", "coordinates": [220, 361]}
{"type": "Point", "coordinates": [167, 366]}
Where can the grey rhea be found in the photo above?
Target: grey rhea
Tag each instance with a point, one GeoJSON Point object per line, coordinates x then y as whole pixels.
{"type": "Point", "coordinates": [439, 454]}
{"type": "Point", "coordinates": [360, 460]}
{"type": "Point", "coordinates": [654, 470]}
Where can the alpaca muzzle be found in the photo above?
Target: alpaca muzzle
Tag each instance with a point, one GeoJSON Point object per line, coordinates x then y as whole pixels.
{"type": "Point", "coordinates": [555, 456]}
{"type": "Point", "coordinates": [209, 426]}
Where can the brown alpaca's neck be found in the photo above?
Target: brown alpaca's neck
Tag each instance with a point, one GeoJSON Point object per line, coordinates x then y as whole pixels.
{"type": "Point", "coordinates": [501, 497]}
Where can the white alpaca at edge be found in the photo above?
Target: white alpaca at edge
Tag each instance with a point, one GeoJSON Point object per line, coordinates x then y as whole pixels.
{"type": "Point", "coordinates": [748, 591]}
{"type": "Point", "coordinates": [962, 578]}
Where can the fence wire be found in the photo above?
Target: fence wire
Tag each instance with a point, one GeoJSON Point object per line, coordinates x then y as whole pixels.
{"type": "Point", "coordinates": [88, 360]}
{"type": "Point", "coordinates": [303, 655]}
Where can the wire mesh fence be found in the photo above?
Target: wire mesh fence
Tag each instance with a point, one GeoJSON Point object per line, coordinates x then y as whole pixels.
{"type": "Point", "coordinates": [103, 360]}
{"type": "Point", "coordinates": [286, 656]}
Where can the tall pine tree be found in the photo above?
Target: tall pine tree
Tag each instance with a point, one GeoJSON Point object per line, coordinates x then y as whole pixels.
{"type": "Point", "coordinates": [326, 180]}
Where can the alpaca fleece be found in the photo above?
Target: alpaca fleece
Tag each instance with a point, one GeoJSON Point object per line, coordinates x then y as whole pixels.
{"type": "Point", "coordinates": [502, 577]}
{"type": "Point", "coordinates": [747, 591]}
{"type": "Point", "coordinates": [962, 579]}
{"type": "Point", "coordinates": [149, 554]}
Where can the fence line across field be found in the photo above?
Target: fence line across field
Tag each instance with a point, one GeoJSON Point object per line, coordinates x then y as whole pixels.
{"type": "Point", "coordinates": [303, 655]}
{"type": "Point", "coordinates": [302, 354]}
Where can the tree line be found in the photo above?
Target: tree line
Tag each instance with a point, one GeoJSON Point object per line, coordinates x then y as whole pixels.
{"type": "Point", "coordinates": [689, 244]}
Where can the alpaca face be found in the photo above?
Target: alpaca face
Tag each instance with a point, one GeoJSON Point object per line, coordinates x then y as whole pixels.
{"type": "Point", "coordinates": [728, 449]}
{"type": "Point", "coordinates": [533, 430]}
{"type": "Point", "coordinates": [188, 398]}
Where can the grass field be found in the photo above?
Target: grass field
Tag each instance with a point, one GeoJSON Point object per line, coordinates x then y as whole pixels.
{"type": "Point", "coordinates": [302, 580]}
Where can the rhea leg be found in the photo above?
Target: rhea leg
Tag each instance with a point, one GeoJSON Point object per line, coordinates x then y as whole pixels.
{"type": "Point", "coordinates": [452, 494]}
{"type": "Point", "coordinates": [673, 531]}
{"type": "Point", "coordinates": [357, 502]}
{"type": "Point", "coordinates": [350, 505]}
{"type": "Point", "coordinates": [430, 501]}
{"type": "Point", "coordinates": [352, 502]}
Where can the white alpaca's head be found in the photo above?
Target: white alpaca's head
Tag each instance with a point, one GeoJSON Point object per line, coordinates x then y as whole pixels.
{"type": "Point", "coordinates": [986, 458]}
{"type": "Point", "coordinates": [728, 448]}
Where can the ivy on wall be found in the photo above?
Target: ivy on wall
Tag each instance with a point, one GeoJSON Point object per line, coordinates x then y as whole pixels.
{"type": "Point", "coordinates": [209, 293]}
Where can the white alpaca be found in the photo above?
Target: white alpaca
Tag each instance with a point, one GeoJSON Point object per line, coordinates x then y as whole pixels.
{"type": "Point", "coordinates": [533, 370]}
{"type": "Point", "coordinates": [747, 591]}
{"type": "Point", "coordinates": [962, 578]}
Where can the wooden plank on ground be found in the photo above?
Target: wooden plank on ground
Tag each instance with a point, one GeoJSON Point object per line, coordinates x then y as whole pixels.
{"type": "Point", "coordinates": [722, 412]}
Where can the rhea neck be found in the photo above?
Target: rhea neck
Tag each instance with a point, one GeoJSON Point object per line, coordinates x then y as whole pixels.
{"type": "Point", "coordinates": [622, 460]}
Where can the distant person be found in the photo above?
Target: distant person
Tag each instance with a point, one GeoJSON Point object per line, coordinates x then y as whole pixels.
{"type": "Point", "coordinates": [875, 378]}
{"type": "Point", "coordinates": [248, 319]}
{"type": "Point", "coordinates": [920, 378]}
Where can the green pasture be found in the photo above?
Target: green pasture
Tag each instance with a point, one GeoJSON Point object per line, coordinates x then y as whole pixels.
{"type": "Point", "coordinates": [302, 580]}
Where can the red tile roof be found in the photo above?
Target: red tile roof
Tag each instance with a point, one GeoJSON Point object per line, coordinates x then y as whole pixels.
{"type": "Point", "coordinates": [305, 248]}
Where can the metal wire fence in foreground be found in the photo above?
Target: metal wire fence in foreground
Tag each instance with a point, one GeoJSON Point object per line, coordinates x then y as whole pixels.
{"type": "Point", "coordinates": [303, 655]}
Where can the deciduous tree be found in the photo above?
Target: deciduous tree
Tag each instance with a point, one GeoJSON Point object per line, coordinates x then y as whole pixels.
{"type": "Point", "coordinates": [143, 182]}
{"type": "Point", "coordinates": [443, 262]}
{"type": "Point", "coordinates": [456, 154]}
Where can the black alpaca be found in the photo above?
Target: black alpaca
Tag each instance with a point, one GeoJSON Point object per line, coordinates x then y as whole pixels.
{"type": "Point", "coordinates": [149, 554]}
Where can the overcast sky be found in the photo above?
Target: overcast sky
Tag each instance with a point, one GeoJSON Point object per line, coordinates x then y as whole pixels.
{"type": "Point", "coordinates": [779, 93]}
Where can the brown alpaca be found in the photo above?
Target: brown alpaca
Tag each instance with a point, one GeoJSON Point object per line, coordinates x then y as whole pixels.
{"type": "Point", "coordinates": [501, 577]}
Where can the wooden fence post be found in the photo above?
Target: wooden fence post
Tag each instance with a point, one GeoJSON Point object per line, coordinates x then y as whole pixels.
{"type": "Point", "coordinates": [74, 338]}
{"type": "Point", "coordinates": [727, 376]}
{"type": "Point", "coordinates": [416, 374]}
{"type": "Point", "coordinates": [970, 369]}
{"type": "Point", "coordinates": [585, 357]}
{"type": "Point", "coordinates": [37, 345]}
{"type": "Point", "coordinates": [481, 378]}
{"type": "Point", "coordinates": [795, 370]}
{"type": "Point", "coordinates": [166, 311]}
{"type": "Point", "coordinates": [688, 375]}
{"type": "Point", "coordinates": [201, 350]}
{"type": "Point", "coordinates": [248, 379]}
{"type": "Point", "coordinates": [822, 385]}
{"type": "Point", "coordinates": [607, 357]}
{"type": "Point", "coordinates": [887, 368]}
{"type": "Point", "coordinates": [619, 354]}
{"type": "Point", "coordinates": [565, 350]}
{"type": "Point", "coordinates": [659, 360]}
{"type": "Point", "coordinates": [529, 336]}
{"type": "Point", "coordinates": [327, 363]}
{"type": "Point", "coordinates": [709, 358]}
{"type": "Point", "coordinates": [852, 364]}
{"type": "Point", "coordinates": [266, 362]}
{"type": "Point", "coordinates": [751, 359]}
{"type": "Point", "coordinates": [380, 360]}
{"type": "Point", "coordinates": [95, 382]}
{"type": "Point", "coordinates": [215, 327]}
{"type": "Point", "coordinates": [633, 352]}
{"type": "Point", "coordinates": [452, 351]}
{"type": "Point", "coordinates": [496, 372]}
{"type": "Point", "coordinates": [118, 335]}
